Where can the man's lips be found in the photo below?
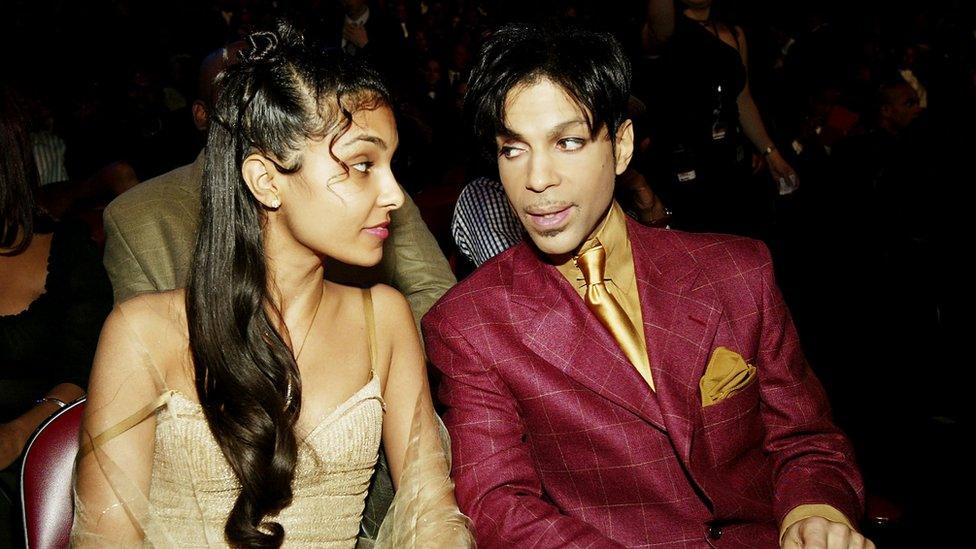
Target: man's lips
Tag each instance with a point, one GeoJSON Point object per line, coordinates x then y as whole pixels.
{"type": "Point", "coordinates": [380, 230]}
{"type": "Point", "coordinates": [549, 218]}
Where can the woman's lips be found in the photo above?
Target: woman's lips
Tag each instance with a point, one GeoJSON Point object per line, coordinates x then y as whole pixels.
{"type": "Point", "coordinates": [379, 231]}
{"type": "Point", "coordinates": [550, 220]}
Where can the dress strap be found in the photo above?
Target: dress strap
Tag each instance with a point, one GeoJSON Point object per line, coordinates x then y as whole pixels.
{"type": "Point", "coordinates": [370, 328]}
{"type": "Point", "coordinates": [90, 444]}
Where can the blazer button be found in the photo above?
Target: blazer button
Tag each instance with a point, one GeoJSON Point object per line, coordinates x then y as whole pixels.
{"type": "Point", "coordinates": [715, 532]}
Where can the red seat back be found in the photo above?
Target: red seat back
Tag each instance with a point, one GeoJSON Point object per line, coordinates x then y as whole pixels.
{"type": "Point", "coordinates": [46, 476]}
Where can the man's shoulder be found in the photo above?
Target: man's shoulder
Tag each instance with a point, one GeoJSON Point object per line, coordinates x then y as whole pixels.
{"type": "Point", "coordinates": [709, 251]}
{"type": "Point", "coordinates": [176, 191]}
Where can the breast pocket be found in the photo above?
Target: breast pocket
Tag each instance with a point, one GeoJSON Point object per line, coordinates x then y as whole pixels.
{"type": "Point", "coordinates": [733, 426]}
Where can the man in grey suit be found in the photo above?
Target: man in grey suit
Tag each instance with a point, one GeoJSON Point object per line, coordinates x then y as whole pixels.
{"type": "Point", "coordinates": [150, 233]}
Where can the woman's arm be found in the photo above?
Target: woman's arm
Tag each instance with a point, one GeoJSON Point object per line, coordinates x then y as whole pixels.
{"type": "Point", "coordinates": [424, 512]}
{"type": "Point", "coordinates": [14, 434]}
{"type": "Point", "coordinates": [407, 377]}
{"type": "Point", "coordinates": [114, 470]}
{"type": "Point", "coordinates": [752, 124]}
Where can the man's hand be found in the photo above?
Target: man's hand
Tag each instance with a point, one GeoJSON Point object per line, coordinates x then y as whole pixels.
{"type": "Point", "coordinates": [820, 533]}
{"type": "Point", "coordinates": [355, 34]}
{"type": "Point", "coordinates": [782, 173]}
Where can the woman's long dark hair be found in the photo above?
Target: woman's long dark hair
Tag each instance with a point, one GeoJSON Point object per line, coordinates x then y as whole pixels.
{"type": "Point", "coordinates": [278, 96]}
{"type": "Point", "coordinates": [18, 176]}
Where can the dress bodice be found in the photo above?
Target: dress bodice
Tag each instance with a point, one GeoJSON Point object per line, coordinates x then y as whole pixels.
{"type": "Point", "coordinates": [192, 482]}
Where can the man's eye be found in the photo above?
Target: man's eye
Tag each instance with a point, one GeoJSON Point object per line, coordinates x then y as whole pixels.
{"type": "Point", "coordinates": [571, 143]}
{"type": "Point", "coordinates": [362, 167]}
{"type": "Point", "coordinates": [510, 152]}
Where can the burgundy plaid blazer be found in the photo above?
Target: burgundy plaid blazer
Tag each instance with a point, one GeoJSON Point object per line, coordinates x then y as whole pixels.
{"type": "Point", "coordinates": [550, 424]}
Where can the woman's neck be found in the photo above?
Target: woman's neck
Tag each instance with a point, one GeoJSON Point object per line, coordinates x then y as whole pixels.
{"type": "Point", "coordinates": [295, 277]}
{"type": "Point", "coordinates": [698, 14]}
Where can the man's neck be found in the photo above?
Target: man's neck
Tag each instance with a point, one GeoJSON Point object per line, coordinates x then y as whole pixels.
{"type": "Point", "coordinates": [698, 14]}
{"type": "Point", "coordinates": [358, 13]}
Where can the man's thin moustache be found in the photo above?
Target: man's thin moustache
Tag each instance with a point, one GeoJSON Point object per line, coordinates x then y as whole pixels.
{"type": "Point", "coordinates": [548, 205]}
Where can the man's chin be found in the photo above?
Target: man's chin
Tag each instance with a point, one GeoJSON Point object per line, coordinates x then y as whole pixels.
{"type": "Point", "coordinates": [554, 243]}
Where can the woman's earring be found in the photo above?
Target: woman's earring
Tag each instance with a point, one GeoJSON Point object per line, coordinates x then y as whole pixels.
{"type": "Point", "coordinates": [276, 201]}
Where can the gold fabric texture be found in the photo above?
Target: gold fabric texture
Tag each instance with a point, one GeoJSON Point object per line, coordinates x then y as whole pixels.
{"type": "Point", "coordinates": [592, 264]}
{"type": "Point", "coordinates": [335, 463]}
{"type": "Point", "coordinates": [619, 278]}
{"type": "Point", "coordinates": [727, 373]}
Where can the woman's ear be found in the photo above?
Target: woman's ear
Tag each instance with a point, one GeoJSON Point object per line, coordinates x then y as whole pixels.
{"type": "Point", "coordinates": [259, 174]}
{"type": "Point", "coordinates": [624, 146]}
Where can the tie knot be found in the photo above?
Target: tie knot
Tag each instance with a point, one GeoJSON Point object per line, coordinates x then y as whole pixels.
{"type": "Point", "coordinates": [592, 263]}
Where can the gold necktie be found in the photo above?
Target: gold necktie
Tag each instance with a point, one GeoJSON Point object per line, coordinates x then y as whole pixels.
{"type": "Point", "coordinates": [592, 263]}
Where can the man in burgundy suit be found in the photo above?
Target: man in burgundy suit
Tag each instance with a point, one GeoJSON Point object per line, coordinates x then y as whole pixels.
{"type": "Point", "coordinates": [612, 385]}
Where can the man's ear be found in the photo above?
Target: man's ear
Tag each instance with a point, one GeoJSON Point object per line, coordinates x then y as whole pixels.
{"type": "Point", "coordinates": [259, 175]}
{"type": "Point", "coordinates": [624, 146]}
{"type": "Point", "coordinates": [200, 117]}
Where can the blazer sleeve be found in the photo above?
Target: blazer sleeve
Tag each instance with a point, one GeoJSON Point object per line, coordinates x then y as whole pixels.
{"type": "Point", "coordinates": [812, 459]}
{"type": "Point", "coordinates": [414, 263]}
{"type": "Point", "coordinates": [496, 482]}
{"type": "Point", "coordinates": [123, 268]}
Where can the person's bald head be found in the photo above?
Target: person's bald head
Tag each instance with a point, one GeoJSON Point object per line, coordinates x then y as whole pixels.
{"type": "Point", "coordinates": [898, 106]}
{"type": "Point", "coordinates": [211, 67]}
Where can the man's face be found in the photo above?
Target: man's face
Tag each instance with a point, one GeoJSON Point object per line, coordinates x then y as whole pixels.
{"type": "Point", "coordinates": [353, 7]}
{"type": "Point", "coordinates": [558, 179]}
{"type": "Point", "coordinates": [903, 108]}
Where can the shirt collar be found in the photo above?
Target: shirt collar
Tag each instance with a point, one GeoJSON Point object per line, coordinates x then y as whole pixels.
{"type": "Point", "coordinates": [612, 234]}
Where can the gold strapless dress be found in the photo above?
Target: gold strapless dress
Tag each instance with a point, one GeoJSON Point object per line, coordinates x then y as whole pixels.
{"type": "Point", "coordinates": [192, 483]}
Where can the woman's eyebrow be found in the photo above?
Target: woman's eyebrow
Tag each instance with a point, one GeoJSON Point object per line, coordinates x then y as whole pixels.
{"type": "Point", "coordinates": [376, 140]}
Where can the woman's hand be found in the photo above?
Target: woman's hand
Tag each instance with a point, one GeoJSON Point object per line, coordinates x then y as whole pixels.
{"type": "Point", "coordinates": [14, 434]}
{"type": "Point", "coordinates": [782, 173]}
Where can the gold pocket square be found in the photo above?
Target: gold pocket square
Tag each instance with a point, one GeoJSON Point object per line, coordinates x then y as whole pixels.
{"type": "Point", "coordinates": [727, 373]}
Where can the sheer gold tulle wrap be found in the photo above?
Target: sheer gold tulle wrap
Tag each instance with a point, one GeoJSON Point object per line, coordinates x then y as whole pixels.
{"type": "Point", "coordinates": [423, 513]}
{"type": "Point", "coordinates": [135, 407]}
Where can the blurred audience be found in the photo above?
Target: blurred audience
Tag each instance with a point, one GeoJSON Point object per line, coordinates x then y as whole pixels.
{"type": "Point", "coordinates": [842, 86]}
{"type": "Point", "coordinates": [54, 296]}
{"type": "Point", "coordinates": [695, 81]}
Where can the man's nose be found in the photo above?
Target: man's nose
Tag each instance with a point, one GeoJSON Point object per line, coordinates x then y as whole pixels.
{"type": "Point", "coordinates": [542, 173]}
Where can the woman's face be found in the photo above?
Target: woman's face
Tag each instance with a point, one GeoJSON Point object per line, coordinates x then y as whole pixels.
{"type": "Point", "coordinates": [340, 213]}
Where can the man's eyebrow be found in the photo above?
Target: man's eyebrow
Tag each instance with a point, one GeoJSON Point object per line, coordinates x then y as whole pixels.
{"type": "Point", "coordinates": [562, 126]}
{"type": "Point", "coordinates": [508, 133]}
{"type": "Point", "coordinates": [367, 138]}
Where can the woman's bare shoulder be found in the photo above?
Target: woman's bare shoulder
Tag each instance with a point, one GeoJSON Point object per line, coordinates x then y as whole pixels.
{"type": "Point", "coordinates": [155, 323]}
{"type": "Point", "coordinates": [155, 311]}
{"type": "Point", "coordinates": [392, 308]}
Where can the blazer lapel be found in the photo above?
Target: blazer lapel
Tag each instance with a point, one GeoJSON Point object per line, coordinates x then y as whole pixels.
{"type": "Point", "coordinates": [554, 323]}
{"type": "Point", "coordinates": [681, 316]}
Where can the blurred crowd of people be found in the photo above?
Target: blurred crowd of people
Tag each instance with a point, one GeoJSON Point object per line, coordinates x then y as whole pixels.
{"type": "Point", "coordinates": [839, 133]}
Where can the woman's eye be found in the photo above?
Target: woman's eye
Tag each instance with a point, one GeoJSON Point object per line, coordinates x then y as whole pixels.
{"type": "Point", "coordinates": [510, 152]}
{"type": "Point", "coordinates": [362, 167]}
{"type": "Point", "coordinates": [571, 143]}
